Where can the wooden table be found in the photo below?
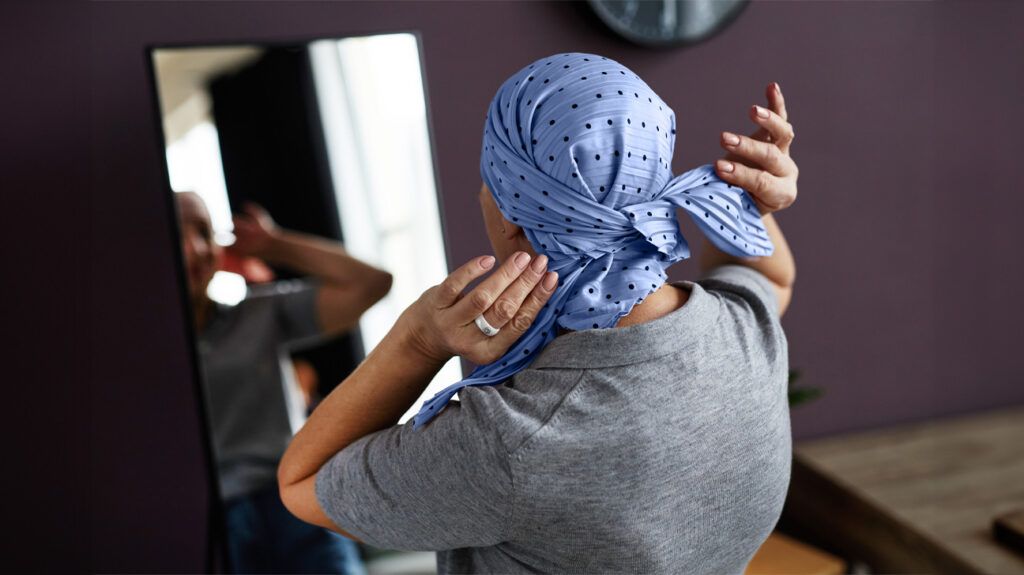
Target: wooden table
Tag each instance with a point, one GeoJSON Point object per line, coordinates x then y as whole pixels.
{"type": "Point", "coordinates": [915, 498]}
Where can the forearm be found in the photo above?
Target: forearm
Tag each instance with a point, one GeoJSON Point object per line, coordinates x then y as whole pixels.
{"type": "Point", "coordinates": [372, 398]}
{"type": "Point", "coordinates": [779, 267]}
{"type": "Point", "coordinates": [323, 259]}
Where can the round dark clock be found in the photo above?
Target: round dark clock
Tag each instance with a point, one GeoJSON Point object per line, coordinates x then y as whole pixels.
{"type": "Point", "coordinates": [667, 22]}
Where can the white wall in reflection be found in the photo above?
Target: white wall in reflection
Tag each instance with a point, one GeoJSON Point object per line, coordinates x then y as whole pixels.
{"type": "Point", "coordinates": [370, 95]}
{"type": "Point", "coordinates": [194, 163]}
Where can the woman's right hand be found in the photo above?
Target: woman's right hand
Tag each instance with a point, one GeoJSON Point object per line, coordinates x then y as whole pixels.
{"type": "Point", "coordinates": [440, 324]}
{"type": "Point", "coordinates": [254, 231]}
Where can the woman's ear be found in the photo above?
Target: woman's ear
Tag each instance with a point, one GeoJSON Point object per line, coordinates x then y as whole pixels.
{"type": "Point", "coordinates": [510, 231]}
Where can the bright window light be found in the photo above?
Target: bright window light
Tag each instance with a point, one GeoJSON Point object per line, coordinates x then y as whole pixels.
{"type": "Point", "coordinates": [226, 288]}
{"type": "Point", "coordinates": [370, 95]}
{"type": "Point", "coordinates": [194, 164]}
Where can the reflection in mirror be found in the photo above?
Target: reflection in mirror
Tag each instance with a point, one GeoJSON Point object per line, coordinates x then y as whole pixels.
{"type": "Point", "coordinates": [309, 220]}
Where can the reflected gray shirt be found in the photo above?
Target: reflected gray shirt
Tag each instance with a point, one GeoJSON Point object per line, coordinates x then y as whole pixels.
{"type": "Point", "coordinates": [662, 447]}
{"type": "Point", "coordinates": [247, 372]}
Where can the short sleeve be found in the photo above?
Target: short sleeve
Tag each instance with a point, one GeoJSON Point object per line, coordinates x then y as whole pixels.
{"type": "Point", "coordinates": [447, 485]}
{"type": "Point", "coordinates": [294, 304]}
{"type": "Point", "coordinates": [745, 282]}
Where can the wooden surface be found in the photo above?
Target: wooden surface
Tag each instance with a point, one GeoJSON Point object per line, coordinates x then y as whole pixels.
{"type": "Point", "coordinates": [782, 554]}
{"type": "Point", "coordinates": [917, 498]}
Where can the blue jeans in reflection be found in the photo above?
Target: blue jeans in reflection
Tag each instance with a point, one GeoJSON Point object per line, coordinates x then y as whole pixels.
{"type": "Point", "coordinates": [264, 537]}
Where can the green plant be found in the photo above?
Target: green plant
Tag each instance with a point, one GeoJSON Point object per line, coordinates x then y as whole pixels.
{"type": "Point", "coordinates": [803, 394]}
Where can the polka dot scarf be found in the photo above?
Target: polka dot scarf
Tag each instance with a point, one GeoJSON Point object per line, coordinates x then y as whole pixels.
{"type": "Point", "coordinates": [577, 151]}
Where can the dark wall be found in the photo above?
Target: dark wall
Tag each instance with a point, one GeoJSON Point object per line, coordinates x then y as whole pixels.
{"type": "Point", "coordinates": [907, 120]}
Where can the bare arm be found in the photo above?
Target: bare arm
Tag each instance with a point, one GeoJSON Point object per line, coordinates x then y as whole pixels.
{"type": "Point", "coordinates": [761, 164]}
{"type": "Point", "coordinates": [348, 286]}
{"type": "Point", "coordinates": [436, 327]}
{"type": "Point", "coordinates": [779, 267]}
{"type": "Point", "coordinates": [372, 398]}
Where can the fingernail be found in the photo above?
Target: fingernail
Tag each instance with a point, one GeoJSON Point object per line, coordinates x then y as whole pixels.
{"type": "Point", "coordinates": [725, 166]}
{"type": "Point", "coordinates": [778, 88]}
{"type": "Point", "coordinates": [540, 263]}
{"type": "Point", "coordinates": [487, 262]}
{"type": "Point", "coordinates": [730, 138]}
{"type": "Point", "coordinates": [550, 280]}
{"type": "Point", "coordinates": [761, 111]}
{"type": "Point", "coordinates": [522, 258]}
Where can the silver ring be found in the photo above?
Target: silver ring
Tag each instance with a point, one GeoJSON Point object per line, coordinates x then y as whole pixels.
{"type": "Point", "coordinates": [488, 329]}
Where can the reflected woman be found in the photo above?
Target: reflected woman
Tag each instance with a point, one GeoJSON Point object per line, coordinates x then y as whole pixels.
{"type": "Point", "coordinates": [617, 423]}
{"type": "Point", "coordinates": [247, 376]}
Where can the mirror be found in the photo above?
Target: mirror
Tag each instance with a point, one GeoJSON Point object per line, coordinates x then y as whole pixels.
{"type": "Point", "coordinates": [308, 215]}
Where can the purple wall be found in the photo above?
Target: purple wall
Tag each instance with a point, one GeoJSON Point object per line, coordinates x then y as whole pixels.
{"type": "Point", "coordinates": [907, 116]}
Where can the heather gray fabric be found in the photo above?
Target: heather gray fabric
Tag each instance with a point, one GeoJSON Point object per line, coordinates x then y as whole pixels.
{"type": "Point", "coordinates": [662, 447]}
{"type": "Point", "coordinates": [246, 366]}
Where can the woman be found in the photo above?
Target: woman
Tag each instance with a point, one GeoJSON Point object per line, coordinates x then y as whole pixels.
{"type": "Point", "coordinates": [617, 423]}
{"type": "Point", "coordinates": [246, 368]}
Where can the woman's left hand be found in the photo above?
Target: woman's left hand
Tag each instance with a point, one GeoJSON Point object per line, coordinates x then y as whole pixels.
{"type": "Point", "coordinates": [440, 324]}
{"type": "Point", "coordinates": [761, 163]}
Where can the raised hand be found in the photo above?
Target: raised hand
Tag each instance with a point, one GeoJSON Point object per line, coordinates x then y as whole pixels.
{"type": "Point", "coordinates": [255, 231]}
{"type": "Point", "coordinates": [441, 322]}
{"type": "Point", "coordinates": [761, 163]}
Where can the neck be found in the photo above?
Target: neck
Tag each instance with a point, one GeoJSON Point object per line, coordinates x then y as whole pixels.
{"type": "Point", "coordinates": [667, 299]}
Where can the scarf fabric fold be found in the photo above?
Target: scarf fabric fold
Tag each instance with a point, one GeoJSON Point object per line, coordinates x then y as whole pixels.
{"type": "Point", "coordinates": [577, 151]}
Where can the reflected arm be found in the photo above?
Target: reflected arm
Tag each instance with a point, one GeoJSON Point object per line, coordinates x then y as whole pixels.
{"type": "Point", "coordinates": [348, 286]}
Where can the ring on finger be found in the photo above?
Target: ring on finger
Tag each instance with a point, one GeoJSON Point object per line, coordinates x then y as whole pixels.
{"type": "Point", "coordinates": [488, 329]}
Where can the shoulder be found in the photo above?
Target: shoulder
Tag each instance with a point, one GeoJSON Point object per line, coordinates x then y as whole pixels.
{"type": "Point", "coordinates": [747, 299]}
{"type": "Point", "coordinates": [738, 282]}
{"type": "Point", "coordinates": [263, 292]}
{"type": "Point", "coordinates": [517, 408]}
{"type": "Point", "coordinates": [290, 304]}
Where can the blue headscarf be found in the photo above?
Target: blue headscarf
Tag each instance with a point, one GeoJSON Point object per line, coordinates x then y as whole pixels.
{"type": "Point", "coordinates": [577, 151]}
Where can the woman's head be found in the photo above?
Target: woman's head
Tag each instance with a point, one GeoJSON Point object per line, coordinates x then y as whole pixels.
{"type": "Point", "coordinates": [582, 123]}
{"type": "Point", "coordinates": [203, 255]}
{"type": "Point", "coordinates": [576, 156]}
{"type": "Point", "coordinates": [572, 141]}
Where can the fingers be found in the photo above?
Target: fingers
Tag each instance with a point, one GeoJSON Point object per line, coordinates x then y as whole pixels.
{"type": "Point", "coordinates": [451, 288]}
{"type": "Point", "coordinates": [253, 209]}
{"type": "Point", "coordinates": [773, 192]}
{"type": "Point", "coordinates": [780, 130]}
{"type": "Point", "coordinates": [508, 303]}
{"type": "Point", "coordinates": [765, 155]}
{"type": "Point", "coordinates": [776, 101]}
{"type": "Point", "coordinates": [243, 218]}
{"type": "Point", "coordinates": [484, 295]}
{"type": "Point", "coordinates": [241, 225]}
{"type": "Point", "coordinates": [522, 321]}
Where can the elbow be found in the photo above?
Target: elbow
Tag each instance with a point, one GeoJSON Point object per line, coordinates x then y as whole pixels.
{"type": "Point", "coordinates": [285, 492]}
{"type": "Point", "coordinates": [288, 473]}
{"type": "Point", "coordinates": [785, 296]}
{"type": "Point", "coordinates": [285, 477]}
{"type": "Point", "coordinates": [294, 501]}
{"type": "Point", "coordinates": [287, 488]}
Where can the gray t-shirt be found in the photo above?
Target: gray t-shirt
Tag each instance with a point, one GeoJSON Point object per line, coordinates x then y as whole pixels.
{"type": "Point", "coordinates": [661, 447]}
{"type": "Point", "coordinates": [248, 376]}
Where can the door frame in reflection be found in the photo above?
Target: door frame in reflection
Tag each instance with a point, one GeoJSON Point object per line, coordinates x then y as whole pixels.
{"type": "Point", "coordinates": [216, 542]}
